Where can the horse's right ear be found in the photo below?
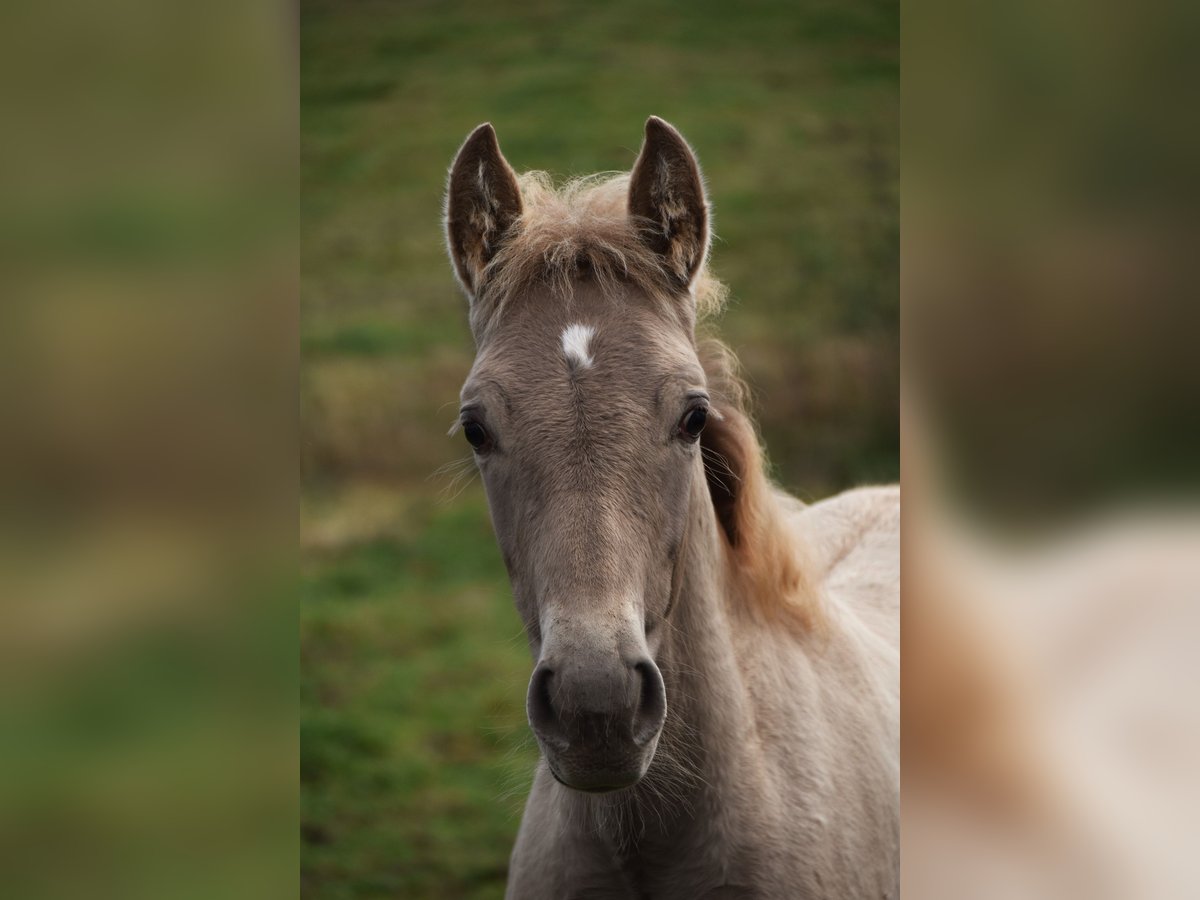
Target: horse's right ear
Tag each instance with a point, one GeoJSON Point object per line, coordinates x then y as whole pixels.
{"type": "Point", "coordinates": [482, 203]}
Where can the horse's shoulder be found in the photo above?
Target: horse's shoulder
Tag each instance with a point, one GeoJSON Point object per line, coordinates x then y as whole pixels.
{"type": "Point", "coordinates": [851, 543]}
{"type": "Point", "coordinates": [840, 531]}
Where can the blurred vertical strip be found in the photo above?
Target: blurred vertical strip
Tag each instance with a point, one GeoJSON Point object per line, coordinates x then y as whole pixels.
{"type": "Point", "coordinates": [1051, 449]}
{"type": "Point", "coordinates": [148, 371]}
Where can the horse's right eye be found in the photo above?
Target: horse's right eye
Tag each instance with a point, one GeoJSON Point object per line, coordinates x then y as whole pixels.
{"type": "Point", "coordinates": [477, 435]}
{"type": "Point", "coordinates": [693, 423]}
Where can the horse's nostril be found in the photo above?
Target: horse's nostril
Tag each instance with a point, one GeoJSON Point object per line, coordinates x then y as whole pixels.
{"type": "Point", "coordinates": [652, 703]}
{"type": "Point", "coordinates": [540, 707]}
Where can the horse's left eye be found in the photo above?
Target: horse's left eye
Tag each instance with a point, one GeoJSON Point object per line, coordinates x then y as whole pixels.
{"type": "Point", "coordinates": [693, 423]}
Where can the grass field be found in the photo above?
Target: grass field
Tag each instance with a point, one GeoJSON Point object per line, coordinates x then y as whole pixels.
{"type": "Point", "coordinates": [415, 755]}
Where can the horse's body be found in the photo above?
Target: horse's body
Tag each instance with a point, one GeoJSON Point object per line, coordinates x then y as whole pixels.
{"type": "Point", "coordinates": [717, 687]}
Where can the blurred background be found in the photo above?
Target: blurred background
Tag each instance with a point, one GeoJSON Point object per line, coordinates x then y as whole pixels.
{"type": "Point", "coordinates": [415, 754]}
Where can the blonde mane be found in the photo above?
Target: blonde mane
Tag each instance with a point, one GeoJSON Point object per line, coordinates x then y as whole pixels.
{"type": "Point", "coordinates": [766, 562]}
{"type": "Point", "coordinates": [583, 230]}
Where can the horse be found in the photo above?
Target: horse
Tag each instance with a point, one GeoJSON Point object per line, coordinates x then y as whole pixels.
{"type": "Point", "coordinates": [715, 690]}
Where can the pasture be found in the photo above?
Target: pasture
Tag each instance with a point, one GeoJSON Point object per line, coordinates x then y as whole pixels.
{"type": "Point", "coordinates": [415, 753]}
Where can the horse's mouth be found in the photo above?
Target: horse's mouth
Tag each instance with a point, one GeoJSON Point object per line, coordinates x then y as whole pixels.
{"type": "Point", "coordinates": [604, 782]}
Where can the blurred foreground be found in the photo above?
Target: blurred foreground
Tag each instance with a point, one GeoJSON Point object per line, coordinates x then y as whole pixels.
{"type": "Point", "coordinates": [1051, 688]}
{"type": "Point", "coordinates": [147, 465]}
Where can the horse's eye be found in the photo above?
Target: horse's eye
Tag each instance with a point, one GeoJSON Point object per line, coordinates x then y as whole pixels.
{"type": "Point", "coordinates": [692, 423]}
{"type": "Point", "coordinates": [477, 435]}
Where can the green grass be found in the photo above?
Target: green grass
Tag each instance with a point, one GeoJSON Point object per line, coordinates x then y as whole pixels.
{"type": "Point", "coordinates": [414, 757]}
{"type": "Point", "coordinates": [415, 751]}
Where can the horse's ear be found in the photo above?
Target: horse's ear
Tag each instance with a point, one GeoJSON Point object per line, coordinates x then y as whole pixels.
{"type": "Point", "coordinates": [666, 195]}
{"type": "Point", "coordinates": [482, 203]}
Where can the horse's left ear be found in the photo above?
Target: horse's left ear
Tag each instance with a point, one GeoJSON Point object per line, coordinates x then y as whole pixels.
{"type": "Point", "coordinates": [666, 195]}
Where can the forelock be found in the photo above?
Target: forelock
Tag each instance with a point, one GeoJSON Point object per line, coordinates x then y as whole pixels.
{"type": "Point", "coordinates": [581, 230]}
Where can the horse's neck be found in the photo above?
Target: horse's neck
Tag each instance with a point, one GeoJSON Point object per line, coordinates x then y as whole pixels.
{"type": "Point", "coordinates": [709, 703]}
{"type": "Point", "coordinates": [733, 687]}
{"type": "Point", "coordinates": [700, 652]}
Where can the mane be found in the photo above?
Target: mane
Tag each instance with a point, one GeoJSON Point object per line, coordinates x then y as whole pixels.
{"type": "Point", "coordinates": [581, 230]}
{"type": "Point", "coordinates": [765, 560]}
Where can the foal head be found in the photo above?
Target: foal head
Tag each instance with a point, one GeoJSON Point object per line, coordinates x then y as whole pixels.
{"type": "Point", "coordinates": [584, 408]}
